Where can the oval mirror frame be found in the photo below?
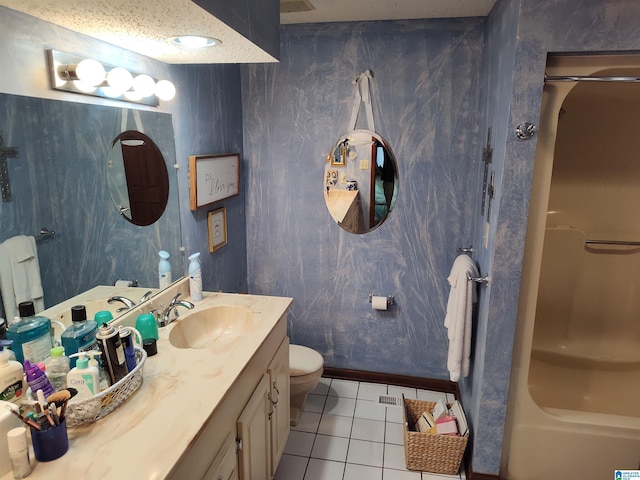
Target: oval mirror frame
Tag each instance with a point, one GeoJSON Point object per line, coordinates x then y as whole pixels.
{"type": "Point", "coordinates": [360, 181]}
{"type": "Point", "coordinates": [137, 178]}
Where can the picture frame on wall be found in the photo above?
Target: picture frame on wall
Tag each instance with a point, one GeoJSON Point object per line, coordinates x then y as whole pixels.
{"type": "Point", "coordinates": [217, 221]}
{"type": "Point", "coordinates": [213, 178]}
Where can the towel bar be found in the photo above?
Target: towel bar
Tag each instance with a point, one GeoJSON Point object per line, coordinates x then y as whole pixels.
{"type": "Point", "coordinates": [468, 249]}
{"type": "Point", "coordinates": [484, 280]}
{"type": "Point", "coordinates": [44, 233]}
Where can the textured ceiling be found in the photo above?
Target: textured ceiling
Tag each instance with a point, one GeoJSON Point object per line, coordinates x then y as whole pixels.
{"type": "Point", "coordinates": [350, 10]}
{"type": "Point", "coordinates": [144, 27]}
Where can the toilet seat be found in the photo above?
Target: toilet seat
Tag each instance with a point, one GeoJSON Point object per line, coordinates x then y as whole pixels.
{"type": "Point", "coordinates": [303, 360]}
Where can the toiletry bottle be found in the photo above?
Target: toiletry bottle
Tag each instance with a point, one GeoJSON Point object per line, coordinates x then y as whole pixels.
{"type": "Point", "coordinates": [127, 344]}
{"type": "Point", "coordinates": [11, 375]}
{"type": "Point", "coordinates": [164, 270]}
{"type": "Point", "coordinates": [195, 277]}
{"type": "Point", "coordinates": [80, 336]}
{"type": "Point", "coordinates": [83, 378]}
{"type": "Point", "coordinates": [58, 366]}
{"type": "Point", "coordinates": [31, 334]}
{"type": "Point", "coordinates": [19, 452]}
{"type": "Point", "coordinates": [103, 376]}
{"type": "Point", "coordinates": [113, 357]}
{"type": "Point", "coordinates": [36, 379]}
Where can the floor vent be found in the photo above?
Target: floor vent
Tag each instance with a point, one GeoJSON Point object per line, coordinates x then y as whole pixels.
{"type": "Point", "coordinates": [387, 400]}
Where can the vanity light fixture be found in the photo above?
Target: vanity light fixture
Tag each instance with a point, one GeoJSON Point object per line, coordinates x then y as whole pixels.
{"type": "Point", "coordinates": [71, 73]}
{"type": "Point", "coordinates": [194, 41]}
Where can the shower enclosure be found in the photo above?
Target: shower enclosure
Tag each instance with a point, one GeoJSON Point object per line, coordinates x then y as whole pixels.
{"type": "Point", "coordinates": [573, 409]}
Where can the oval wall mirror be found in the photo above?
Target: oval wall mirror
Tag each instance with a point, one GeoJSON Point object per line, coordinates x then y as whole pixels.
{"type": "Point", "coordinates": [137, 178]}
{"type": "Point", "coordinates": [360, 181]}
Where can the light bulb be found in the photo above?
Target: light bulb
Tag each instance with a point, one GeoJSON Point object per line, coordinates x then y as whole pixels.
{"type": "Point", "coordinates": [119, 79]}
{"type": "Point", "coordinates": [165, 90]}
{"type": "Point", "coordinates": [132, 95]}
{"type": "Point", "coordinates": [194, 41]}
{"type": "Point", "coordinates": [90, 72]}
{"type": "Point", "coordinates": [144, 85]}
{"type": "Point", "coordinates": [84, 87]}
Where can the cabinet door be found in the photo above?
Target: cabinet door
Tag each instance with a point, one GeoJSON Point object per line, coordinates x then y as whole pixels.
{"type": "Point", "coordinates": [278, 371]}
{"type": "Point", "coordinates": [224, 464]}
{"type": "Point", "coordinates": [254, 435]}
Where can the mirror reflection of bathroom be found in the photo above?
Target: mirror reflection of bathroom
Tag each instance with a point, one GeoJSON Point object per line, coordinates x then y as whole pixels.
{"type": "Point", "coordinates": [360, 181]}
{"type": "Point", "coordinates": [586, 326]}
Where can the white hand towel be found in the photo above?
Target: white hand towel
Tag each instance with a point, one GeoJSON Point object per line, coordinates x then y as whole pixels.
{"type": "Point", "coordinates": [458, 317]}
{"type": "Point", "coordinates": [20, 275]}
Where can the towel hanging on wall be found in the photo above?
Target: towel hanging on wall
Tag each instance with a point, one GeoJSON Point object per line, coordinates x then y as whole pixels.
{"type": "Point", "coordinates": [459, 315]}
{"type": "Point", "coordinates": [20, 275]}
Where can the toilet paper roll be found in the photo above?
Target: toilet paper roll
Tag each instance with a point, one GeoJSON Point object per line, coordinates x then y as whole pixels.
{"type": "Point", "coordinates": [379, 303]}
{"type": "Point", "coordinates": [123, 283]}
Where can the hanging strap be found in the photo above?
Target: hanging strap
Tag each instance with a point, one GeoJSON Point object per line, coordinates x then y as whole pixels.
{"type": "Point", "coordinates": [362, 94]}
{"type": "Point", "coordinates": [124, 121]}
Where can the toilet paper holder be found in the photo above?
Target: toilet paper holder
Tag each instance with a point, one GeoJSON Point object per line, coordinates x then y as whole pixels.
{"type": "Point", "coordinates": [389, 299]}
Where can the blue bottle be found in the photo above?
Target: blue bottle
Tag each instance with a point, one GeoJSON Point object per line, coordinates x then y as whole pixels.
{"type": "Point", "coordinates": [31, 335]}
{"type": "Point", "coordinates": [80, 336]}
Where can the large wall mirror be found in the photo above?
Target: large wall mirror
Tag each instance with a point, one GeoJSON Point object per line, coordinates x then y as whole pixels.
{"type": "Point", "coordinates": [360, 181]}
{"type": "Point", "coordinates": [137, 178]}
{"type": "Point", "coordinates": [58, 182]}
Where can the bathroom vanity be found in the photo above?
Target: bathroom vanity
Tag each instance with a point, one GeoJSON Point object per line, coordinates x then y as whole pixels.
{"type": "Point", "coordinates": [212, 409]}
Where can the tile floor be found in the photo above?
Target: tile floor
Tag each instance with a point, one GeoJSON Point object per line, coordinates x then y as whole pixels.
{"type": "Point", "coordinates": [346, 434]}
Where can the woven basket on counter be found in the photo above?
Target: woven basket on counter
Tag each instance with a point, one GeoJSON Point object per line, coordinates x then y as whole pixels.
{"type": "Point", "coordinates": [427, 452]}
{"type": "Point", "coordinates": [94, 408]}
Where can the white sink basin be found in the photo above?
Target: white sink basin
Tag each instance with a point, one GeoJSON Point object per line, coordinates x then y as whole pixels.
{"type": "Point", "coordinates": [214, 327]}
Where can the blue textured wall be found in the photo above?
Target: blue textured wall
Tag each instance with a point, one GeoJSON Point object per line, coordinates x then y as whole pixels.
{"type": "Point", "coordinates": [427, 75]}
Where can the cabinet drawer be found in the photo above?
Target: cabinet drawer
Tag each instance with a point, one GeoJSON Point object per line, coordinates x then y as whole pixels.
{"type": "Point", "coordinates": [224, 464]}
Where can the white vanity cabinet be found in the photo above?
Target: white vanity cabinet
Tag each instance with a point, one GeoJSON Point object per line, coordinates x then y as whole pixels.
{"type": "Point", "coordinates": [253, 417]}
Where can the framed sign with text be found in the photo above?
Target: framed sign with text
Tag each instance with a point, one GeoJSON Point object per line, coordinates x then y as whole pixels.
{"type": "Point", "coordinates": [213, 178]}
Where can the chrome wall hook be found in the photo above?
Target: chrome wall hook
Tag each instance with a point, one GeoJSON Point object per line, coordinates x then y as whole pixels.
{"type": "Point", "coordinates": [526, 130]}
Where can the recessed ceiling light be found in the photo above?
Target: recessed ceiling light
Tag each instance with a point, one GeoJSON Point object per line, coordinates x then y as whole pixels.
{"type": "Point", "coordinates": [194, 41]}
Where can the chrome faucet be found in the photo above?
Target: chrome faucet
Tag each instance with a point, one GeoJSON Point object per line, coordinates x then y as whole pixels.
{"type": "Point", "coordinates": [165, 315]}
{"type": "Point", "coordinates": [129, 304]}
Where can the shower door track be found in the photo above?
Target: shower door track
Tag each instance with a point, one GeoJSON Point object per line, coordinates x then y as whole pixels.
{"type": "Point", "coordinates": [612, 242]}
{"type": "Point", "coordinates": [586, 78]}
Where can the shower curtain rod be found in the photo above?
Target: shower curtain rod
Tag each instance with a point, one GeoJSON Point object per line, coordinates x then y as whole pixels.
{"type": "Point", "coordinates": [585, 78]}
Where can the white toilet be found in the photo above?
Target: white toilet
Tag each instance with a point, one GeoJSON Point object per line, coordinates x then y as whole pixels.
{"type": "Point", "coordinates": [305, 370]}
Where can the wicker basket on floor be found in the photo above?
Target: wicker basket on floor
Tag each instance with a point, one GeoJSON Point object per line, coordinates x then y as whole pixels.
{"type": "Point", "coordinates": [427, 452]}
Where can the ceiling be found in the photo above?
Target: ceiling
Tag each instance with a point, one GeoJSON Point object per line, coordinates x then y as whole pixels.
{"type": "Point", "coordinates": [144, 30]}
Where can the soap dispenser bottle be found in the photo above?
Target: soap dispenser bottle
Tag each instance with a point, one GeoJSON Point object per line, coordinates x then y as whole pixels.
{"type": "Point", "coordinates": [31, 335]}
{"type": "Point", "coordinates": [164, 270]}
{"type": "Point", "coordinates": [103, 376]}
{"type": "Point", "coordinates": [84, 378]}
{"type": "Point", "coordinates": [195, 277]}
{"type": "Point", "coordinates": [11, 375]}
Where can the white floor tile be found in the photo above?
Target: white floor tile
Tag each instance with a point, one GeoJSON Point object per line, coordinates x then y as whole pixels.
{"type": "Point", "coordinates": [365, 429]}
{"type": "Point", "coordinates": [371, 391]}
{"type": "Point", "coordinates": [394, 414]}
{"type": "Point", "coordinates": [314, 403]}
{"type": "Point", "coordinates": [398, 391]}
{"type": "Point", "coordinates": [335, 425]}
{"type": "Point", "coordinates": [389, 474]}
{"type": "Point", "coordinates": [308, 422]}
{"type": "Point", "coordinates": [365, 453]}
{"type": "Point", "coordinates": [324, 470]}
{"type": "Point", "coordinates": [340, 406]}
{"type": "Point", "coordinates": [330, 448]}
{"type": "Point", "coordinates": [394, 457]}
{"type": "Point", "coordinates": [362, 472]}
{"type": "Point", "coordinates": [323, 386]}
{"type": "Point", "coordinates": [370, 410]}
{"type": "Point", "coordinates": [291, 467]}
{"type": "Point", "coordinates": [299, 443]}
{"type": "Point", "coordinates": [431, 396]}
{"type": "Point", "coordinates": [343, 388]}
{"type": "Point", "coordinates": [394, 433]}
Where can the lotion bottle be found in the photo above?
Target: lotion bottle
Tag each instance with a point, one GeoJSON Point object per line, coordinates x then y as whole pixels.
{"type": "Point", "coordinates": [11, 386]}
{"type": "Point", "coordinates": [195, 277]}
{"type": "Point", "coordinates": [164, 270]}
{"type": "Point", "coordinates": [83, 378]}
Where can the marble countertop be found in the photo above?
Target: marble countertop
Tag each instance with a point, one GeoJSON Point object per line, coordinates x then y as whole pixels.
{"type": "Point", "coordinates": [146, 436]}
{"type": "Point", "coordinates": [339, 202]}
